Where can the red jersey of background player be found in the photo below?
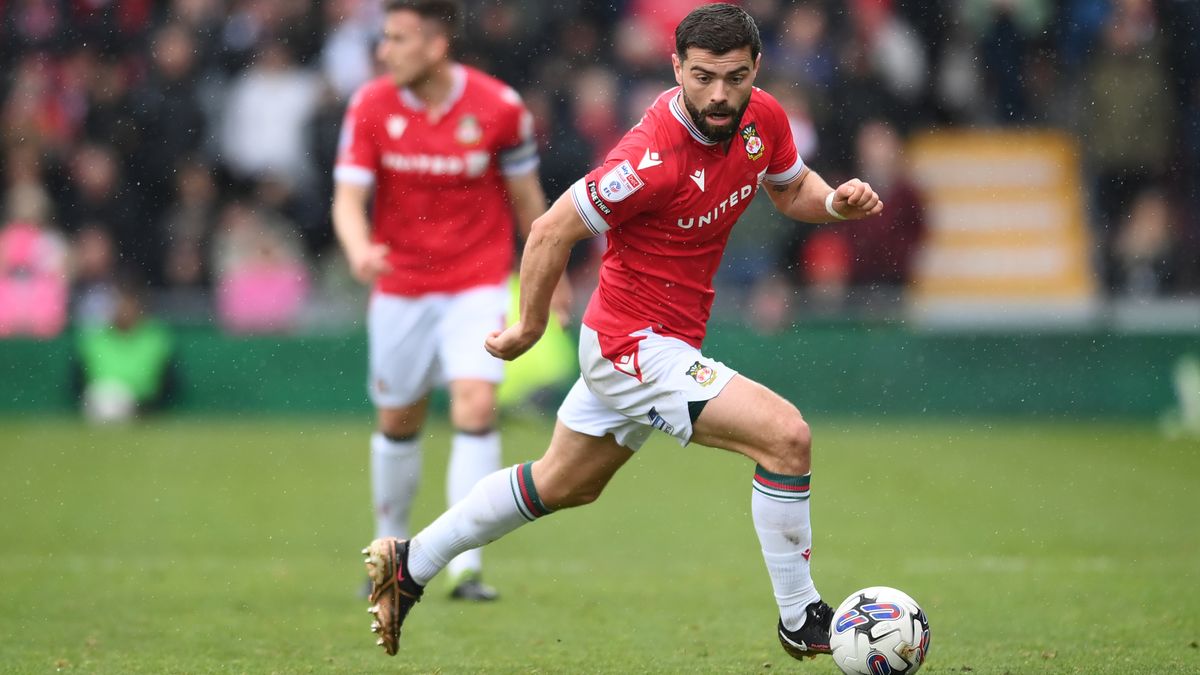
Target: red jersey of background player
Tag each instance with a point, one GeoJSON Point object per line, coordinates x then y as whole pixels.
{"type": "Point", "coordinates": [440, 198]}
{"type": "Point", "coordinates": [668, 197]}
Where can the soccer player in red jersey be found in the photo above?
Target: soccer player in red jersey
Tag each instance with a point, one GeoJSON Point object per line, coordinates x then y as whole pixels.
{"type": "Point", "coordinates": [666, 196]}
{"type": "Point", "coordinates": [449, 156]}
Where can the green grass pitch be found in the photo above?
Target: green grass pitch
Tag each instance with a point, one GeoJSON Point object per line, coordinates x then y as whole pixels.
{"type": "Point", "coordinates": [213, 545]}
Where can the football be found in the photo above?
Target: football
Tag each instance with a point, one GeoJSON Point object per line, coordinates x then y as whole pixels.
{"type": "Point", "coordinates": [879, 630]}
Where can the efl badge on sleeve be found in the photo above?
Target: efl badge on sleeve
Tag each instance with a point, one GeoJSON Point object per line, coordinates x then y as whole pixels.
{"type": "Point", "coordinates": [702, 374]}
{"type": "Point", "coordinates": [754, 142]}
{"type": "Point", "coordinates": [469, 132]}
{"type": "Point", "coordinates": [619, 183]}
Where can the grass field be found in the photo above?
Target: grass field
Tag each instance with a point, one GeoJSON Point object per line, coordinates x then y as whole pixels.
{"type": "Point", "coordinates": [194, 546]}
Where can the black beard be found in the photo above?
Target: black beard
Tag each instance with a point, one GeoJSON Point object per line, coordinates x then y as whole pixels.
{"type": "Point", "coordinates": [716, 133]}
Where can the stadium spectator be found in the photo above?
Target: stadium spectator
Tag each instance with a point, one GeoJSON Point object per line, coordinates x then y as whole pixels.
{"type": "Point", "coordinates": [1145, 248]}
{"type": "Point", "coordinates": [169, 111]}
{"type": "Point", "coordinates": [871, 260]}
{"type": "Point", "coordinates": [450, 156]}
{"type": "Point", "coordinates": [253, 26]}
{"type": "Point", "coordinates": [203, 20]}
{"type": "Point", "coordinates": [859, 95]}
{"type": "Point", "coordinates": [260, 273]}
{"type": "Point", "coordinates": [187, 227]}
{"type": "Point", "coordinates": [126, 366]}
{"type": "Point", "coordinates": [1128, 119]}
{"type": "Point", "coordinates": [1006, 32]}
{"type": "Point", "coordinates": [30, 26]}
{"type": "Point", "coordinates": [94, 272]}
{"type": "Point", "coordinates": [346, 59]}
{"type": "Point", "coordinates": [805, 46]}
{"type": "Point", "coordinates": [894, 48]}
{"type": "Point", "coordinates": [597, 116]}
{"type": "Point", "coordinates": [266, 118]}
{"type": "Point", "coordinates": [99, 194]}
{"type": "Point", "coordinates": [884, 246]}
{"type": "Point", "coordinates": [666, 196]}
{"type": "Point", "coordinates": [113, 25]}
{"type": "Point", "coordinates": [109, 100]}
{"type": "Point", "coordinates": [33, 266]}
{"type": "Point", "coordinates": [34, 111]}
{"type": "Point", "coordinates": [505, 38]}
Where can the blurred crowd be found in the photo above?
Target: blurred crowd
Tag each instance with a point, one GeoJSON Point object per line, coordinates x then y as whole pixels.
{"type": "Point", "coordinates": [190, 142]}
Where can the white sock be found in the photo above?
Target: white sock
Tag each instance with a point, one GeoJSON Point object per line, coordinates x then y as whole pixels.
{"type": "Point", "coordinates": [471, 458]}
{"type": "Point", "coordinates": [395, 474]}
{"type": "Point", "coordinates": [500, 503]}
{"type": "Point", "coordinates": [779, 504]}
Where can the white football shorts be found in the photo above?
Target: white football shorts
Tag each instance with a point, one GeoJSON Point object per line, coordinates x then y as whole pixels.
{"type": "Point", "coordinates": [415, 344]}
{"type": "Point", "coordinates": [631, 385]}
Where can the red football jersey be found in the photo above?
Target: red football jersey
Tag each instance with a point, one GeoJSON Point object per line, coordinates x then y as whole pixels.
{"type": "Point", "coordinates": [441, 203]}
{"type": "Point", "coordinates": [667, 198]}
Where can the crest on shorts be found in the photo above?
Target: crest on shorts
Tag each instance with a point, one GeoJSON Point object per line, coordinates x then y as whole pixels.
{"type": "Point", "coordinates": [754, 142]}
{"type": "Point", "coordinates": [702, 374]}
{"type": "Point", "coordinates": [469, 132]}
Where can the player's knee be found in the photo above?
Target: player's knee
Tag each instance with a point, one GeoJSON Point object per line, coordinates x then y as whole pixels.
{"type": "Point", "coordinates": [401, 422]}
{"type": "Point", "coordinates": [793, 447]}
{"type": "Point", "coordinates": [399, 427]}
{"type": "Point", "coordinates": [476, 410]}
{"type": "Point", "coordinates": [474, 420]}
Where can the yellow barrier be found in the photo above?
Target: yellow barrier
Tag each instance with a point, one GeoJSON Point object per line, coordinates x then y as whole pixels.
{"type": "Point", "coordinates": [1007, 239]}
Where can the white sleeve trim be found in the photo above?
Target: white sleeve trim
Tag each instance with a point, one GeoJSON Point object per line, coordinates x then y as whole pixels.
{"type": "Point", "coordinates": [354, 175]}
{"type": "Point", "coordinates": [786, 176]}
{"type": "Point", "coordinates": [583, 204]}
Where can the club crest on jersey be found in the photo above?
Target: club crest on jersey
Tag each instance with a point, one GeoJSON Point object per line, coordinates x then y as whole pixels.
{"type": "Point", "coordinates": [754, 142]}
{"type": "Point", "coordinates": [396, 125]}
{"type": "Point", "coordinates": [620, 182]}
{"type": "Point", "coordinates": [702, 374]}
{"type": "Point", "coordinates": [468, 132]}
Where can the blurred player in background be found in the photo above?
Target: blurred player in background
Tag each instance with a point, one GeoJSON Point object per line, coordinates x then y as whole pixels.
{"type": "Point", "coordinates": [449, 155]}
{"type": "Point", "coordinates": [666, 196]}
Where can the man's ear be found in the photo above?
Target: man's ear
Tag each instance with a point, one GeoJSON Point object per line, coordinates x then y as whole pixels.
{"type": "Point", "coordinates": [441, 46]}
{"type": "Point", "coordinates": [678, 66]}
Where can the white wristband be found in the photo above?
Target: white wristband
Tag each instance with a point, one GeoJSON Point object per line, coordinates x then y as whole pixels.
{"type": "Point", "coordinates": [829, 206]}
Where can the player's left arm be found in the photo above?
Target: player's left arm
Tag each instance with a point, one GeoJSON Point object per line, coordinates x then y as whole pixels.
{"type": "Point", "coordinates": [807, 198]}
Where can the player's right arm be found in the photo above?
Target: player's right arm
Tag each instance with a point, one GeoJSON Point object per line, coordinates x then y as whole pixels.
{"type": "Point", "coordinates": [367, 259]}
{"type": "Point", "coordinates": [551, 238]}
{"type": "Point", "coordinates": [354, 179]}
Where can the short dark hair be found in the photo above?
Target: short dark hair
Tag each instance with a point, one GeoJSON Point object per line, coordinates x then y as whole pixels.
{"type": "Point", "coordinates": [718, 28]}
{"type": "Point", "coordinates": [448, 13]}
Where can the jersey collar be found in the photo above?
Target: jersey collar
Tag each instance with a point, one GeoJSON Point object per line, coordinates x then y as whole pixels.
{"type": "Point", "coordinates": [682, 116]}
{"type": "Point", "coordinates": [458, 84]}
